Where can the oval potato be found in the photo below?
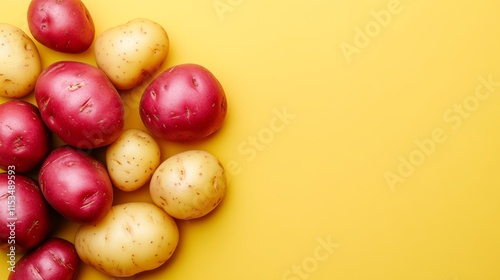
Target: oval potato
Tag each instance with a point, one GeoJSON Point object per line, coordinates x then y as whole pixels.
{"type": "Point", "coordinates": [131, 52]}
{"type": "Point", "coordinates": [20, 62]}
{"type": "Point", "coordinates": [132, 159]}
{"type": "Point", "coordinates": [189, 184]}
{"type": "Point", "coordinates": [34, 219]}
{"type": "Point", "coordinates": [79, 104]}
{"type": "Point", "coordinates": [133, 237]}
{"type": "Point", "coordinates": [76, 184]}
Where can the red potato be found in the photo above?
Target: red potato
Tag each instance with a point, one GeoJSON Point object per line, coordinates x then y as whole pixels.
{"type": "Point", "coordinates": [79, 104]}
{"type": "Point", "coordinates": [25, 216]}
{"type": "Point", "coordinates": [184, 103]}
{"type": "Point", "coordinates": [62, 25]}
{"type": "Point", "coordinates": [55, 259]}
{"type": "Point", "coordinates": [76, 185]}
{"type": "Point", "coordinates": [24, 138]}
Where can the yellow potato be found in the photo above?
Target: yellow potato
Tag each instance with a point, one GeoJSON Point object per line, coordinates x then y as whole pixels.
{"type": "Point", "coordinates": [132, 159]}
{"type": "Point", "coordinates": [189, 184]}
{"type": "Point", "coordinates": [131, 52]}
{"type": "Point", "coordinates": [133, 237]}
{"type": "Point", "coordinates": [20, 63]}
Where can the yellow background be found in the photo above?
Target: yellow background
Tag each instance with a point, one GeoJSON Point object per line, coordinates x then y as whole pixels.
{"type": "Point", "coordinates": [319, 174]}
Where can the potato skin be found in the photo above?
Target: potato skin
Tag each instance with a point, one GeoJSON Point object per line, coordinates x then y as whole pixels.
{"type": "Point", "coordinates": [76, 185]}
{"type": "Point", "coordinates": [189, 185]}
{"type": "Point", "coordinates": [56, 258]}
{"type": "Point", "coordinates": [79, 104]}
{"type": "Point", "coordinates": [63, 25]}
{"type": "Point", "coordinates": [132, 159]}
{"type": "Point", "coordinates": [133, 237]}
{"type": "Point", "coordinates": [24, 137]}
{"type": "Point", "coordinates": [131, 52]}
{"type": "Point", "coordinates": [20, 62]}
{"type": "Point", "coordinates": [33, 216]}
{"type": "Point", "coordinates": [184, 103]}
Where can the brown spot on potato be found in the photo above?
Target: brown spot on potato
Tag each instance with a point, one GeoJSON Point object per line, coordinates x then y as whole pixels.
{"type": "Point", "coordinates": [75, 86]}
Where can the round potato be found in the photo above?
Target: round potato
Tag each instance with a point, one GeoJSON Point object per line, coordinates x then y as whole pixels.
{"type": "Point", "coordinates": [131, 52]}
{"type": "Point", "coordinates": [189, 184]}
{"type": "Point", "coordinates": [20, 63]}
{"type": "Point", "coordinates": [64, 26]}
{"type": "Point", "coordinates": [24, 137]}
{"type": "Point", "coordinates": [132, 159]}
{"type": "Point", "coordinates": [133, 237]}
{"type": "Point", "coordinates": [184, 103]}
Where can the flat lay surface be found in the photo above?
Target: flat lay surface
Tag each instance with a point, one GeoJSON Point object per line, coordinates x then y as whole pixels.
{"type": "Point", "coordinates": [362, 140]}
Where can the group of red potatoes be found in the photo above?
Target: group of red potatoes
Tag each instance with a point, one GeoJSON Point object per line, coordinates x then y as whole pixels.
{"type": "Point", "coordinates": [80, 104]}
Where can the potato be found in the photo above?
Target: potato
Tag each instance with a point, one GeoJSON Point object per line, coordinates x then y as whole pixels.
{"type": "Point", "coordinates": [63, 25]}
{"type": "Point", "coordinates": [20, 62]}
{"type": "Point", "coordinates": [131, 52]}
{"type": "Point", "coordinates": [132, 159]}
{"type": "Point", "coordinates": [189, 184]}
{"type": "Point", "coordinates": [79, 104]}
{"type": "Point", "coordinates": [184, 103]}
{"type": "Point", "coordinates": [76, 185]}
{"type": "Point", "coordinates": [55, 259]}
{"type": "Point", "coordinates": [133, 237]}
{"type": "Point", "coordinates": [24, 138]}
{"type": "Point", "coordinates": [25, 217]}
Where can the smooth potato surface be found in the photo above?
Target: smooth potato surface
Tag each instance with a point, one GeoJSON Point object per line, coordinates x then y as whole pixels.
{"type": "Point", "coordinates": [189, 184]}
{"type": "Point", "coordinates": [21, 198]}
{"type": "Point", "coordinates": [55, 258]}
{"type": "Point", "coordinates": [62, 25]}
{"type": "Point", "coordinates": [131, 52]}
{"type": "Point", "coordinates": [184, 103]}
{"type": "Point", "coordinates": [76, 184]}
{"type": "Point", "coordinates": [133, 237]}
{"type": "Point", "coordinates": [20, 62]}
{"type": "Point", "coordinates": [24, 137]}
{"type": "Point", "coordinates": [132, 159]}
{"type": "Point", "coordinates": [79, 104]}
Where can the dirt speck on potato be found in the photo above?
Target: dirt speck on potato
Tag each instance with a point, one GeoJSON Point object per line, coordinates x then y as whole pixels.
{"type": "Point", "coordinates": [189, 185]}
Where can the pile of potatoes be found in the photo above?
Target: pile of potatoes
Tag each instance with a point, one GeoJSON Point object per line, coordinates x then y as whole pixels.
{"type": "Point", "coordinates": [80, 104]}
